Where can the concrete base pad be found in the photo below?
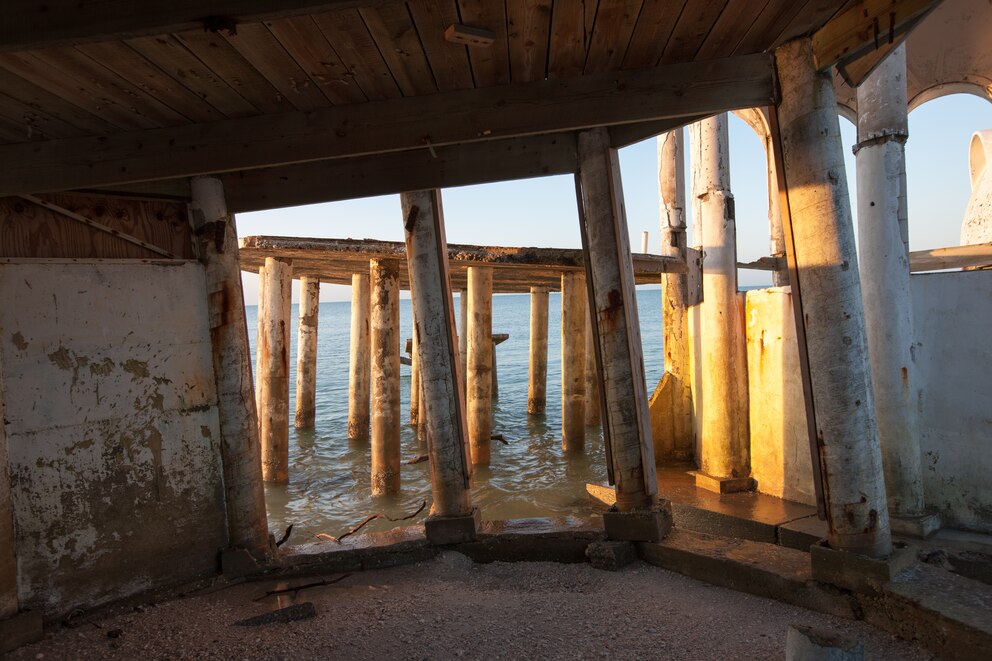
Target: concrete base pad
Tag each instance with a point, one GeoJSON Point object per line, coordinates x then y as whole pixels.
{"type": "Point", "coordinates": [443, 530]}
{"type": "Point", "coordinates": [640, 525]}
{"type": "Point", "coordinates": [919, 527]}
{"type": "Point", "coordinates": [723, 484]}
{"type": "Point", "coordinates": [611, 556]}
{"type": "Point", "coordinates": [21, 629]}
{"type": "Point", "coordinates": [855, 572]}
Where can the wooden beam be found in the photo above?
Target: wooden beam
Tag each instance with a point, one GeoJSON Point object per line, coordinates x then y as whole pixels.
{"type": "Point", "coordinates": [398, 172]}
{"type": "Point", "coordinates": [625, 135]}
{"type": "Point", "coordinates": [955, 257]}
{"type": "Point", "coordinates": [30, 24]}
{"type": "Point", "coordinates": [854, 72]}
{"type": "Point", "coordinates": [865, 26]}
{"type": "Point", "coordinates": [427, 122]}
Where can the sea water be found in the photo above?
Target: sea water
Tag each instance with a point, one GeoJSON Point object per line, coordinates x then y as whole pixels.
{"type": "Point", "coordinates": [329, 477]}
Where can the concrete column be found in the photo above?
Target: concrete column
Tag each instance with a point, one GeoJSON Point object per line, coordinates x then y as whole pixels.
{"type": "Point", "coordinates": [645, 237]}
{"type": "Point", "coordinates": [607, 252]}
{"type": "Point", "coordinates": [240, 451]}
{"type": "Point", "coordinates": [359, 364]}
{"type": "Point", "coordinates": [592, 407]}
{"type": "Point", "coordinates": [463, 333]}
{"type": "Point", "coordinates": [306, 353]}
{"type": "Point", "coordinates": [884, 264]}
{"type": "Point", "coordinates": [273, 395]}
{"type": "Point", "coordinates": [573, 362]}
{"type": "Point", "coordinates": [537, 371]}
{"type": "Point", "coordinates": [434, 319]}
{"type": "Point", "coordinates": [414, 380]}
{"type": "Point", "coordinates": [675, 294]}
{"type": "Point", "coordinates": [832, 310]}
{"type": "Point", "coordinates": [724, 458]}
{"type": "Point", "coordinates": [385, 347]}
{"type": "Point", "coordinates": [495, 376]}
{"type": "Point", "coordinates": [8, 548]}
{"type": "Point", "coordinates": [258, 334]}
{"type": "Point", "coordinates": [480, 357]}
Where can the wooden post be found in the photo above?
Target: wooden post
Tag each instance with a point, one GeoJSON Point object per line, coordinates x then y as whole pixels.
{"type": "Point", "coordinates": [593, 406]}
{"type": "Point", "coordinates": [414, 380]}
{"type": "Point", "coordinates": [606, 243]}
{"type": "Point", "coordinates": [385, 346]}
{"type": "Point", "coordinates": [360, 361]}
{"type": "Point", "coordinates": [573, 362]}
{"type": "Point", "coordinates": [675, 295]}
{"type": "Point", "coordinates": [537, 372]}
{"type": "Point", "coordinates": [274, 392]}
{"type": "Point", "coordinates": [443, 403]}
{"type": "Point", "coordinates": [480, 356]}
{"type": "Point", "coordinates": [217, 242]}
{"type": "Point", "coordinates": [724, 449]}
{"type": "Point", "coordinates": [306, 353]}
{"type": "Point", "coordinates": [830, 315]}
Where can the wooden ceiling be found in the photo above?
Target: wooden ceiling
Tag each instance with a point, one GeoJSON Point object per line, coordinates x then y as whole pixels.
{"type": "Point", "coordinates": [119, 92]}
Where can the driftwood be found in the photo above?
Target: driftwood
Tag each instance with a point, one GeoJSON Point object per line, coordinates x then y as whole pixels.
{"type": "Point", "coordinates": [418, 459]}
{"type": "Point", "coordinates": [294, 589]}
{"type": "Point", "coordinates": [500, 438]}
{"type": "Point", "coordinates": [285, 537]}
{"type": "Point", "coordinates": [369, 519]}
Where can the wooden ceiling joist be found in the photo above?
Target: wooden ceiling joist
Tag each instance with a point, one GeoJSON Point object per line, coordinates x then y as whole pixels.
{"type": "Point", "coordinates": [426, 122]}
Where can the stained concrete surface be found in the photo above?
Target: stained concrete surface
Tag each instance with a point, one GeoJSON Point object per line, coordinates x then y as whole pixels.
{"type": "Point", "coordinates": [452, 608]}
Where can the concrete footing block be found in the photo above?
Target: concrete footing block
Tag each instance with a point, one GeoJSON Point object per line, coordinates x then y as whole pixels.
{"type": "Point", "coordinates": [723, 484]}
{"type": "Point", "coordinates": [919, 527]}
{"type": "Point", "coordinates": [237, 563]}
{"type": "Point", "coordinates": [855, 572]}
{"type": "Point", "coordinates": [21, 629]}
{"type": "Point", "coordinates": [650, 525]}
{"type": "Point", "coordinates": [444, 530]}
{"type": "Point", "coordinates": [808, 644]}
{"type": "Point", "coordinates": [611, 556]}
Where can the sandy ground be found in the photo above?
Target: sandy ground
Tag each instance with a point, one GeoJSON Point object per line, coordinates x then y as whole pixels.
{"type": "Point", "coordinates": [451, 608]}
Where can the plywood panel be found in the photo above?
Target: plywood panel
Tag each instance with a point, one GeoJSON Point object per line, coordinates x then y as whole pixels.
{"type": "Point", "coordinates": [615, 21]}
{"type": "Point", "coordinates": [528, 26]}
{"type": "Point", "coordinates": [28, 230]}
{"type": "Point", "coordinates": [490, 66]}
{"type": "Point", "coordinates": [448, 60]}
{"type": "Point", "coordinates": [350, 38]}
{"type": "Point", "coordinates": [393, 31]}
{"type": "Point", "coordinates": [652, 32]}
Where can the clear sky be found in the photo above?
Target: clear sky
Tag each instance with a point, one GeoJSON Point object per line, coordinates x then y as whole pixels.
{"type": "Point", "coordinates": [542, 212]}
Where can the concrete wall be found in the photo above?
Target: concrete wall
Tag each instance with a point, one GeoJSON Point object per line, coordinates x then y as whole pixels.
{"type": "Point", "coordinates": [780, 457]}
{"type": "Point", "coordinates": [111, 427]}
{"type": "Point", "coordinates": [953, 316]}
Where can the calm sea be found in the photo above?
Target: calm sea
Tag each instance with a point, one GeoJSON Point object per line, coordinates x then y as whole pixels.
{"type": "Point", "coordinates": [328, 490]}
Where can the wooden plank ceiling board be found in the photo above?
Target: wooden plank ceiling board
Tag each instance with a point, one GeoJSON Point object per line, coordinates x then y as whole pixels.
{"type": "Point", "coordinates": [773, 20]}
{"type": "Point", "coordinates": [172, 57]}
{"type": "Point", "coordinates": [528, 25]}
{"type": "Point", "coordinates": [615, 21]}
{"type": "Point", "coordinates": [53, 104]}
{"type": "Point", "coordinates": [393, 31]}
{"type": "Point", "coordinates": [813, 14]}
{"type": "Point", "coordinates": [449, 61]}
{"type": "Point", "coordinates": [571, 26]}
{"type": "Point", "coordinates": [347, 34]}
{"type": "Point", "coordinates": [304, 41]}
{"type": "Point", "coordinates": [652, 32]}
{"type": "Point", "coordinates": [733, 23]}
{"type": "Point", "coordinates": [264, 52]}
{"type": "Point", "coordinates": [35, 124]}
{"type": "Point", "coordinates": [228, 65]}
{"type": "Point", "coordinates": [694, 25]}
{"type": "Point", "coordinates": [490, 66]}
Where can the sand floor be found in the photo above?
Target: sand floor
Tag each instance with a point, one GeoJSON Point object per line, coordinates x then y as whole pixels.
{"type": "Point", "coordinates": [451, 608]}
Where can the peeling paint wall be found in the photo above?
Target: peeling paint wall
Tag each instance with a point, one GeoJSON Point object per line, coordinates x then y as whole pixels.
{"type": "Point", "coordinates": [111, 426]}
{"type": "Point", "coordinates": [953, 315]}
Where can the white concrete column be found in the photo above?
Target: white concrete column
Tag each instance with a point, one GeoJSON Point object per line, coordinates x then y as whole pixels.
{"type": "Point", "coordinates": [434, 319]}
{"type": "Point", "coordinates": [675, 294]}
{"type": "Point", "coordinates": [884, 264]}
{"type": "Point", "coordinates": [384, 340]}
{"type": "Point", "coordinates": [592, 407]}
{"type": "Point", "coordinates": [537, 370]}
{"type": "Point", "coordinates": [480, 356]}
{"type": "Point", "coordinates": [359, 365]}
{"type": "Point", "coordinates": [273, 396]}
{"type": "Point", "coordinates": [573, 361]}
{"type": "Point", "coordinates": [832, 309]}
{"type": "Point", "coordinates": [724, 458]}
{"type": "Point", "coordinates": [607, 251]}
{"type": "Point", "coordinates": [240, 450]}
{"type": "Point", "coordinates": [306, 353]}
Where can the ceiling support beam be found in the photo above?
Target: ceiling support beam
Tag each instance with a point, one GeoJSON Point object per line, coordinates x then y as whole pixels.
{"type": "Point", "coordinates": [425, 122]}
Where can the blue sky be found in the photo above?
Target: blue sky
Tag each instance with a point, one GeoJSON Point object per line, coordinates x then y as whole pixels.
{"type": "Point", "coordinates": [542, 212]}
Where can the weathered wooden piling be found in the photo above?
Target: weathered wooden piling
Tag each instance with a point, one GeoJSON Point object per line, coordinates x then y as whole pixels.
{"type": "Point", "coordinates": [592, 405]}
{"type": "Point", "coordinates": [722, 404]}
{"type": "Point", "coordinates": [607, 250]}
{"type": "Point", "coordinates": [883, 128]}
{"type": "Point", "coordinates": [537, 369]}
{"type": "Point", "coordinates": [480, 356]}
{"type": "Point", "coordinates": [573, 361]}
{"type": "Point", "coordinates": [832, 312]}
{"type": "Point", "coordinates": [359, 361]}
{"type": "Point", "coordinates": [385, 349]}
{"type": "Point", "coordinates": [274, 392]}
{"type": "Point", "coordinates": [434, 319]}
{"type": "Point", "coordinates": [306, 353]}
